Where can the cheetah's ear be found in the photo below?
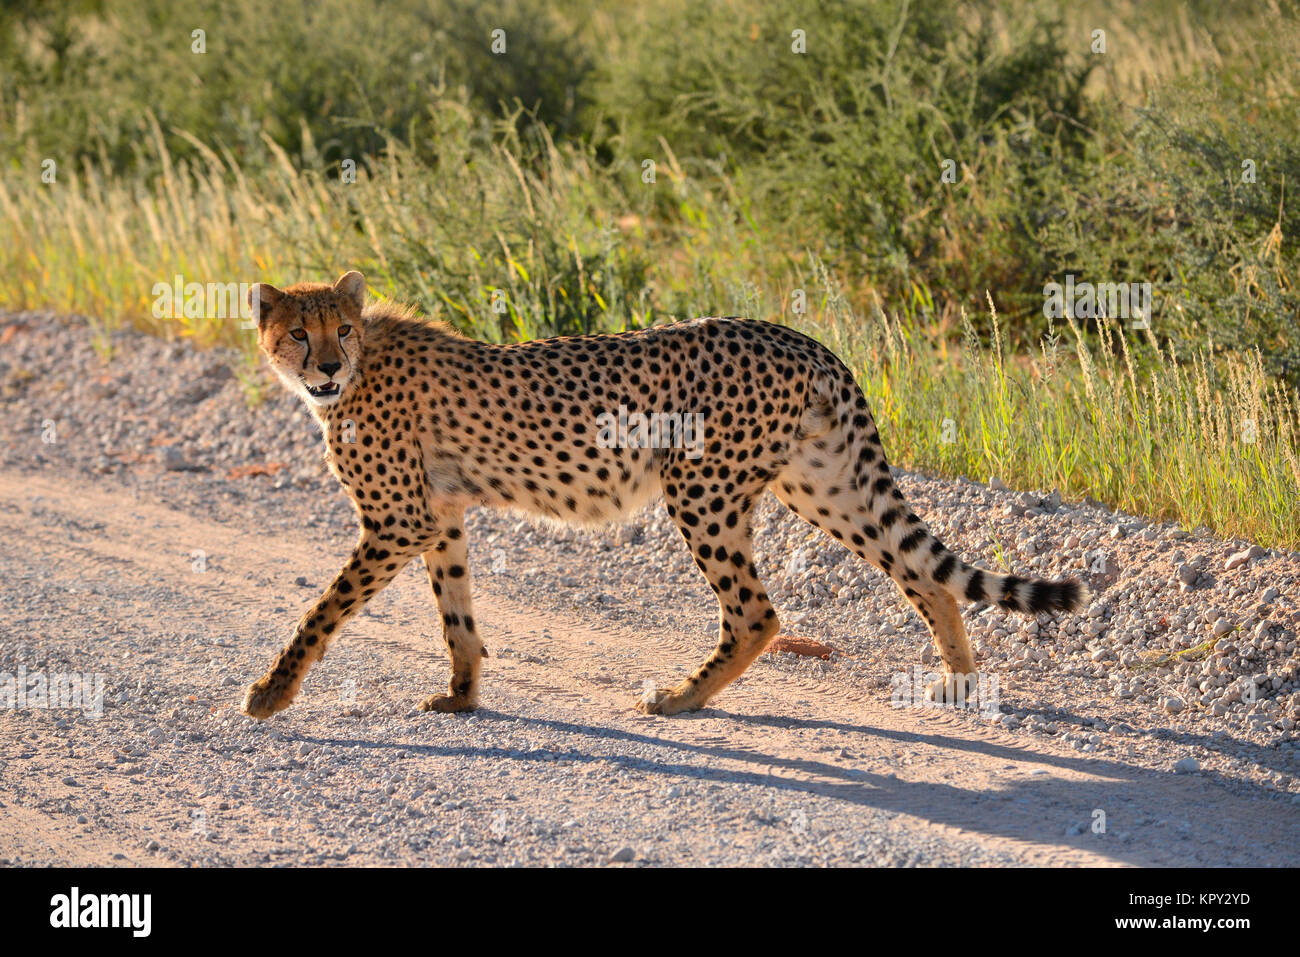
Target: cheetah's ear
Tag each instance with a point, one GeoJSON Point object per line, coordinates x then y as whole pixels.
{"type": "Point", "coordinates": [353, 285]}
{"type": "Point", "coordinates": [262, 298]}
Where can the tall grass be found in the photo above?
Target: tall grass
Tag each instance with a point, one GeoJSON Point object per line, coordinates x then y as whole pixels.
{"type": "Point", "coordinates": [1207, 441]}
{"type": "Point", "coordinates": [518, 241]}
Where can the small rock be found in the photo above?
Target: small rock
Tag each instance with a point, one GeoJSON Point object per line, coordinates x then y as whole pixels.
{"type": "Point", "coordinates": [1187, 766]}
{"type": "Point", "coordinates": [623, 855]}
{"type": "Point", "coordinates": [173, 460]}
{"type": "Point", "coordinates": [1241, 558]}
{"type": "Point", "coordinates": [998, 485]}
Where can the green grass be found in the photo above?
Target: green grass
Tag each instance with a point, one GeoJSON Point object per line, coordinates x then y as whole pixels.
{"type": "Point", "coordinates": [1115, 418]}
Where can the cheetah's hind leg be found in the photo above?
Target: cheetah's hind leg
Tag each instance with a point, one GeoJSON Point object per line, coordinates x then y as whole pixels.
{"type": "Point", "coordinates": [863, 509]}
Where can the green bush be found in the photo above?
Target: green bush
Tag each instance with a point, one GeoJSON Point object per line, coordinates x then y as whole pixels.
{"type": "Point", "coordinates": [1197, 206]}
{"type": "Point", "coordinates": [844, 146]}
{"type": "Point", "coordinates": [347, 76]}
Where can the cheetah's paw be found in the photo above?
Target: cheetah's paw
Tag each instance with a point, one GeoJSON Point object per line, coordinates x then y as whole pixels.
{"type": "Point", "coordinates": [667, 700]}
{"type": "Point", "coordinates": [447, 704]}
{"type": "Point", "coordinates": [953, 689]}
{"type": "Point", "coordinates": [265, 697]}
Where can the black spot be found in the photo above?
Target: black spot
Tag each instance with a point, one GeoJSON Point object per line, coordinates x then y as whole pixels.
{"type": "Point", "coordinates": [912, 542]}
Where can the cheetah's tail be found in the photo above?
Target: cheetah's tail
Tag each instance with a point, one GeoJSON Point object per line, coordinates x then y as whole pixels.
{"type": "Point", "coordinates": [1026, 595]}
{"type": "Point", "coordinates": [912, 548]}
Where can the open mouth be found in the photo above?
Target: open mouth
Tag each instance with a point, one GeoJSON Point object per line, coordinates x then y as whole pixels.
{"type": "Point", "coordinates": [324, 391]}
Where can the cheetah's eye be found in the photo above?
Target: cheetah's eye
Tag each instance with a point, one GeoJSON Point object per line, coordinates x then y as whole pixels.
{"type": "Point", "coordinates": [299, 334]}
{"type": "Point", "coordinates": [343, 331]}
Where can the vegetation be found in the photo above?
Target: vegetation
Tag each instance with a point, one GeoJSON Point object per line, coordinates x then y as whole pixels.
{"type": "Point", "coordinates": [903, 189]}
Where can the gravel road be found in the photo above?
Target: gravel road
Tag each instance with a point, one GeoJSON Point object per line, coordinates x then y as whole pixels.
{"type": "Point", "coordinates": [164, 536]}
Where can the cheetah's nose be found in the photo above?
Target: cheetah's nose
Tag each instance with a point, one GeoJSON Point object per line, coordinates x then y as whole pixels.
{"type": "Point", "coordinates": [329, 368]}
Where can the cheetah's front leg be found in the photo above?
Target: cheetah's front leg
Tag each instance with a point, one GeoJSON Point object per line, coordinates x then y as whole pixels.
{"type": "Point", "coordinates": [447, 563]}
{"type": "Point", "coordinates": [374, 563]}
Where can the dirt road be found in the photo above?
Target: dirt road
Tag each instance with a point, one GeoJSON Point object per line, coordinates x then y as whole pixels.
{"type": "Point", "coordinates": [178, 610]}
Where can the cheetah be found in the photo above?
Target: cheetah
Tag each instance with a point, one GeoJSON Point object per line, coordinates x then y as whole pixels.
{"type": "Point", "coordinates": [421, 422]}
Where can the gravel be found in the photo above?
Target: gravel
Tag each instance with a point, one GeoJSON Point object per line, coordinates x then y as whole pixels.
{"type": "Point", "coordinates": [1169, 666]}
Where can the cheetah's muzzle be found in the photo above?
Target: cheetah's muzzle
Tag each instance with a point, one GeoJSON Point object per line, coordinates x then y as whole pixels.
{"type": "Point", "coordinates": [432, 422]}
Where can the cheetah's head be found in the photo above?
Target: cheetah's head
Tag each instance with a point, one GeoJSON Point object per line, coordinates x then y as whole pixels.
{"type": "Point", "coordinates": [312, 334]}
